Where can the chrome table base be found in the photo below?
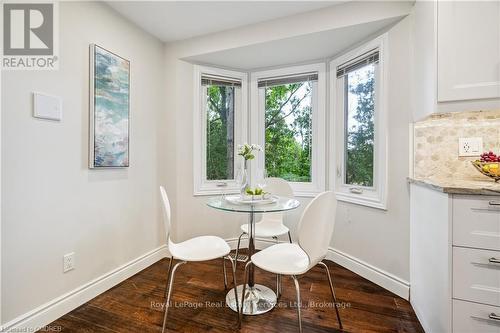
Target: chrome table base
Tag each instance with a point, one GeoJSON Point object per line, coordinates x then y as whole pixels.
{"type": "Point", "coordinates": [258, 299]}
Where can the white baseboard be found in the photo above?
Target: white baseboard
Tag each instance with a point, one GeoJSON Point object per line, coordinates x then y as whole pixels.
{"type": "Point", "coordinates": [374, 274]}
{"type": "Point", "coordinates": [50, 311]}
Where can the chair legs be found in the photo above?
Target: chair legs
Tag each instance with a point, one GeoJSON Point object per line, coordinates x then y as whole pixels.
{"type": "Point", "coordinates": [332, 291]}
{"type": "Point", "coordinates": [170, 282]}
{"type": "Point", "coordinates": [297, 289]}
{"type": "Point", "coordinates": [224, 272]}
{"type": "Point", "coordinates": [168, 275]}
{"type": "Point", "coordinates": [278, 277]}
{"type": "Point", "coordinates": [233, 268]}
{"type": "Point", "coordinates": [238, 247]}
{"type": "Point", "coordinates": [170, 285]}
{"type": "Point", "coordinates": [290, 237]}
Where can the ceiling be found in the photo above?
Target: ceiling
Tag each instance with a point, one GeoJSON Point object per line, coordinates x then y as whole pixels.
{"type": "Point", "coordinates": [177, 20]}
{"type": "Point", "coordinates": [305, 48]}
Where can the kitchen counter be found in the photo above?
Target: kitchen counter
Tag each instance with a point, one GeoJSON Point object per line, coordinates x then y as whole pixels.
{"type": "Point", "coordinates": [474, 187]}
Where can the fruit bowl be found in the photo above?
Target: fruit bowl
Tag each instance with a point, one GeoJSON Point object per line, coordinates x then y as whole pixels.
{"type": "Point", "coordinates": [490, 169]}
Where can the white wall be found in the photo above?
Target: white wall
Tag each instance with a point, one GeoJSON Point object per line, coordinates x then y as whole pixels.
{"type": "Point", "coordinates": [52, 204]}
{"type": "Point", "coordinates": [379, 238]}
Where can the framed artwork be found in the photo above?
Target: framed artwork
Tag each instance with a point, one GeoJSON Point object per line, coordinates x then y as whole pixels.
{"type": "Point", "coordinates": [109, 109]}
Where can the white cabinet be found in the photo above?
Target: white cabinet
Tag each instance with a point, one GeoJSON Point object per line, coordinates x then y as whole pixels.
{"type": "Point", "coordinates": [468, 46]}
{"type": "Point", "coordinates": [454, 260]}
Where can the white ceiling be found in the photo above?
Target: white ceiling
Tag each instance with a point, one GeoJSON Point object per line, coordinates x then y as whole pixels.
{"type": "Point", "coordinates": [176, 20]}
{"type": "Point", "coordinates": [305, 48]}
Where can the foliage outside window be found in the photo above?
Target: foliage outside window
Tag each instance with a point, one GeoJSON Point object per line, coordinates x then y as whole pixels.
{"type": "Point", "coordinates": [360, 126]}
{"type": "Point", "coordinates": [220, 132]}
{"type": "Point", "coordinates": [288, 131]}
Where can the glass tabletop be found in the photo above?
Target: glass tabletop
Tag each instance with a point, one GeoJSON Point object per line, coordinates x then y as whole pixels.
{"type": "Point", "coordinates": [282, 204]}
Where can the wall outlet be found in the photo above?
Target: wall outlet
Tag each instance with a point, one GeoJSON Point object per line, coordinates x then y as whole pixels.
{"type": "Point", "coordinates": [68, 262]}
{"type": "Point", "coordinates": [470, 147]}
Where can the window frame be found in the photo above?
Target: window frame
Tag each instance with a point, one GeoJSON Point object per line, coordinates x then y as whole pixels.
{"type": "Point", "coordinates": [376, 196]}
{"type": "Point", "coordinates": [257, 121]}
{"type": "Point", "coordinates": [202, 186]}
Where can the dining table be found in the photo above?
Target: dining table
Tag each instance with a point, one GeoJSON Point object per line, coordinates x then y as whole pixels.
{"type": "Point", "coordinates": [258, 298]}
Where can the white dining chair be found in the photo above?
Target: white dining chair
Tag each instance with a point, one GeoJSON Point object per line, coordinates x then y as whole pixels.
{"type": "Point", "coordinates": [314, 231]}
{"type": "Point", "coordinates": [200, 248]}
{"type": "Point", "coordinates": [271, 225]}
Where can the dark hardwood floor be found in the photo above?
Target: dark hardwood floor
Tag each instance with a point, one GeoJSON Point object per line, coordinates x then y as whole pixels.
{"type": "Point", "coordinates": [198, 297]}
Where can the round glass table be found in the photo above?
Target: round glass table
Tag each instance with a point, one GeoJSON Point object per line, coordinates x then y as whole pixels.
{"type": "Point", "coordinates": [258, 298]}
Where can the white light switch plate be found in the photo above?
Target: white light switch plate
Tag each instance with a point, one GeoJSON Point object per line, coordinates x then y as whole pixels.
{"type": "Point", "coordinates": [46, 106]}
{"type": "Point", "coordinates": [470, 147]}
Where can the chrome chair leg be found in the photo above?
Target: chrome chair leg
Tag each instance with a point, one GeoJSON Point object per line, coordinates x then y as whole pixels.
{"type": "Point", "coordinates": [167, 303]}
{"type": "Point", "coordinates": [332, 291]}
{"type": "Point", "coordinates": [297, 289]}
{"type": "Point", "coordinates": [289, 237]}
{"type": "Point", "coordinates": [168, 275]}
{"type": "Point", "coordinates": [278, 293]}
{"type": "Point", "coordinates": [238, 248]}
{"type": "Point", "coordinates": [233, 268]}
{"type": "Point", "coordinates": [249, 262]}
{"type": "Point", "coordinates": [224, 272]}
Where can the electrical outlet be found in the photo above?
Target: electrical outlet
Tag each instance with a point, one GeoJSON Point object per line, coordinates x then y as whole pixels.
{"type": "Point", "coordinates": [68, 262]}
{"type": "Point", "coordinates": [470, 147]}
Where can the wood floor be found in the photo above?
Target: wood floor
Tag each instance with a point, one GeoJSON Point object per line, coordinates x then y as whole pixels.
{"type": "Point", "coordinates": [198, 297]}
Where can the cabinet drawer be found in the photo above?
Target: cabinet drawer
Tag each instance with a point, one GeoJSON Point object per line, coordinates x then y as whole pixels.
{"type": "Point", "coordinates": [471, 317]}
{"type": "Point", "coordinates": [476, 222]}
{"type": "Point", "coordinates": [476, 275]}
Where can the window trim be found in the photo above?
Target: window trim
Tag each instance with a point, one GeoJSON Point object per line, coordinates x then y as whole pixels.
{"type": "Point", "coordinates": [257, 119]}
{"type": "Point", "coordinates": [202, 186]}
{"type": "Point", "coordinates": [376, 196]}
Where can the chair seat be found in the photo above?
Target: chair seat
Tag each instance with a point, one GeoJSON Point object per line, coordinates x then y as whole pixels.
{"type": "Point", "coordinates": [267, 228]}
{"type": "Point", "coordinates": [199, 248]}
{"type": "Point", "coordinates": [284, 258]}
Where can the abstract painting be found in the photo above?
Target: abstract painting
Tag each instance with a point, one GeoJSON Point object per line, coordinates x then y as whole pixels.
{"type": "Point", "coordinates": [109, 109]}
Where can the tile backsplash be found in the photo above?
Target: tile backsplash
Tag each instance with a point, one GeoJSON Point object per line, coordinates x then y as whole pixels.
{"type": "Point", "coordinates": [436, 143]}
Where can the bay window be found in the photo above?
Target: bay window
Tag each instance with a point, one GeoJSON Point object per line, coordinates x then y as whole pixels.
{"type": "Point", "coordinates": [358, 117]}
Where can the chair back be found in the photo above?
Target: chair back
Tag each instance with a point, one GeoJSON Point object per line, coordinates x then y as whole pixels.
{"type": "Point", "coordinates": [166, 211]}
{"type": "Point", "coordinates": [279, 186]}
{"type": "Point", "coordinates": [316, 226]}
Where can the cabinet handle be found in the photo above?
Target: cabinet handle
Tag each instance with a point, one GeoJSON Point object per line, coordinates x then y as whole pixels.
{"type": "Point", "coordinates": [494, 260]}
{"type": "Point", "coordinates": [494, 316]}
{"type": "Point", "coordinates": [221, 184]}
{"type": "Point", "coordinates": [494, 203]}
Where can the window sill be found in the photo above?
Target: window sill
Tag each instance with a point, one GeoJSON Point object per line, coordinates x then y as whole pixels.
{"type": "Point", "coordinates": [357, 199]}
{"type": "Point", "coordinates": [212, 192]}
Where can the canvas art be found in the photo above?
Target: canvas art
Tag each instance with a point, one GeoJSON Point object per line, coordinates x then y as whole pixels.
{"type": "Point", "coordinates": [109, 109]}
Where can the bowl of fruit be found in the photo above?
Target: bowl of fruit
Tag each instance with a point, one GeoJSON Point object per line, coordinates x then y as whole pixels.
{"type": "Point", "coordinates": [489, 165]}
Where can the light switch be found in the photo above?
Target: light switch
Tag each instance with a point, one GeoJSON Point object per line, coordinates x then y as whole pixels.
{"type": "Point", "coordinates": [470, 147]}
{"type": "Point", "coordinates": [46, 106]}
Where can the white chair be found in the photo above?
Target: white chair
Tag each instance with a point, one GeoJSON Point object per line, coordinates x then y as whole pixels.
{"type": "Point", "coordinates": [201, 248]}
{"type": "Point", "coordinates": [315, 231]}
{"type": "Point", "coordinates": [271, 225]}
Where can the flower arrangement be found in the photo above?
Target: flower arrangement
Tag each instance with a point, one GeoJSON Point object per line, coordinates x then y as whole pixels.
{"type": "Point", "coordinates": [247, 151]}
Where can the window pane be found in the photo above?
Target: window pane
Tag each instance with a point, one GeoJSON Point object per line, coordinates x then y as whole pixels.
{"type": "Point", "coordinates": [360, 109]}
{"type": "Point", "coordinates": [220, 132]}
{"type": "Point", "coordinates": [288, 149]}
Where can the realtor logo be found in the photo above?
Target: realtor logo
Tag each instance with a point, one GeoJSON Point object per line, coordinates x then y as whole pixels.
{"type": "Point", "coordinates": [28, 36]}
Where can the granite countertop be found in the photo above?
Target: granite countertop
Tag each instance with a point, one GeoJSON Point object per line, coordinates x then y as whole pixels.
{"type": "Point", "coordinates": [476, 187]}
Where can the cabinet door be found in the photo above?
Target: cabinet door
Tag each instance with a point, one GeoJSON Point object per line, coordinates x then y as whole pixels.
{"type": "Point", "coordinates": [468, 50]}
